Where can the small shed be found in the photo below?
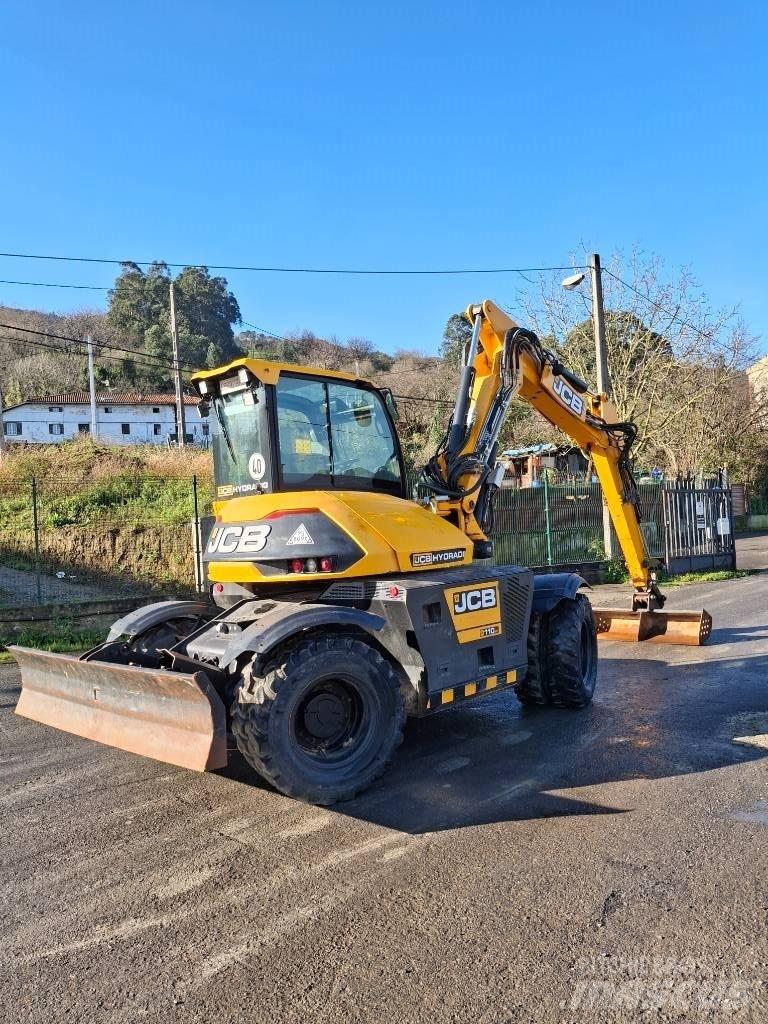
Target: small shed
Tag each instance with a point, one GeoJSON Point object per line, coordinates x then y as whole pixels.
{"type": "Point", "coordinates": [525, 466]}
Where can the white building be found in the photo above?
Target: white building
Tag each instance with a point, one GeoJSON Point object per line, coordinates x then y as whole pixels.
{"type": "Point", "coordinates": [758, 380]}
{"type": "Point", "coordinates": [121, 418]}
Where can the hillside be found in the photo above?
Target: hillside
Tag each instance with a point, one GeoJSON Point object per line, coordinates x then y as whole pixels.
{"type": "Point", "coordinates": [83, 483]}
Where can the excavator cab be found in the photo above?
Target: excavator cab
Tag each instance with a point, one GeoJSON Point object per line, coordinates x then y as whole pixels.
{"type": "Point", "coordinates": [277, 430]}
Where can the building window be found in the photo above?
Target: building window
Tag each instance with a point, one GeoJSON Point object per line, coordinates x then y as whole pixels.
{"type": "Point", "coordinates": [12, 429]}
{"type": "Point", "coordinates": [55, 428]}
{"type": "Point", "coordinates": [157, 428]}
{"type": "Point", "coordinates": [107, 408]}
{"type": "Point", "coordinates": [155, 408]}
{"type": "Point", "coordinates": [55, 408]}
{"type": "Point", "coordinates": [125, 427]}
{"type": "Point", "coordinates": [83, 428]}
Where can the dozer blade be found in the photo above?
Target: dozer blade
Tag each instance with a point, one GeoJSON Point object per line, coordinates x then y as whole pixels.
{"type": "Point", "coordinates": [686, 628]}
{"type": "Point", "coordinates": [169, 716]}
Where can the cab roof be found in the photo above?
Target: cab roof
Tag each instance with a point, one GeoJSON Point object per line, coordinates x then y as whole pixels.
{"type": "Point", "coordinates": [268, 372]}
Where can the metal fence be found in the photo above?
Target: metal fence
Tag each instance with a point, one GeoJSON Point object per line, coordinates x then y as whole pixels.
{"type": "Point", "coordinates": [698, 529]}
{"type": "Point", "coordinates": [66, 540]}
{"type": "Point", "coordinates": [560, 524]}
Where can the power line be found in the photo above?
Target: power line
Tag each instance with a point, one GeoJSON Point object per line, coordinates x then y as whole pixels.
{"type": "Point", "coordinates": [101, 344]}
{"type": "Point", "coordinates": [64, 351]}
{"type": "Point", "coordinates": [431, 401]}
{"type": "Point", "coordinates": [674, 318]}
{"type": "Point", "coordinates": [51, 284]}
{"type": "Point", "coordinates": [288, 270]}
{"type": "Point", "coordinates": [80, 351]}
{"type": "Point", "coordinates": [264, 331]}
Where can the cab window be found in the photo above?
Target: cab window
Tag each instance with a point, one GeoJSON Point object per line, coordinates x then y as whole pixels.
{"type": "Point", "coordinates": [333, 434]}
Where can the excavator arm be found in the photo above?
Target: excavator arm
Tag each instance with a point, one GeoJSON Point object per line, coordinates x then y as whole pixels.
{"type": "Point", "coordinates": [505, 361]}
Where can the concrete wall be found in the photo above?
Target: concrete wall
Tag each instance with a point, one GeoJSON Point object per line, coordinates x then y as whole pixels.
{"type": "Point", "coordinates": [83, 615]}
{"type": "Point", "coordinates": [147, 424]}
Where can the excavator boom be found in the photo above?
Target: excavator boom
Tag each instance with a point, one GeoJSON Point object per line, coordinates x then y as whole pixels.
{"type": "Point", "coordinates": [503, 362]}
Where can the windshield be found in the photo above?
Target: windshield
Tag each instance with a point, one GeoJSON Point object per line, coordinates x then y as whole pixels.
{"type": "Point", "coordinates": [240, 453]}
{"type": "Point", "coordinates": [335, 435]}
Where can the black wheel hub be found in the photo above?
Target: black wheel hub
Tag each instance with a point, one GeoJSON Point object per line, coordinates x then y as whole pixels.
{"type": "Point", "coordinates": [329, 718]}
{"type": "Point", "coordinates": [325, 715]}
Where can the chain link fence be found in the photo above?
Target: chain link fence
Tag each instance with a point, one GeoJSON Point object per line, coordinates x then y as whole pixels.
{"type": "Point", "coordinates": [65, 541]}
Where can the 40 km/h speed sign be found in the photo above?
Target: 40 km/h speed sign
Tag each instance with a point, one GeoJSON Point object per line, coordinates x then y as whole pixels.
{"type": "Point", "coordinates": [257, 466]}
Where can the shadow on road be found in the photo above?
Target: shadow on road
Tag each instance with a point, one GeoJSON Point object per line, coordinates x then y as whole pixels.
{"type": "Point", "coordinates": [736, 634]}
{"type": "Point", "coordinates": [495, 761]}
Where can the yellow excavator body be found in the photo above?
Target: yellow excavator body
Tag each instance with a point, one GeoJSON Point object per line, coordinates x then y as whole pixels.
{"type": "Point", "coordinates": [391, 534]}
{"type": "Point", "coordinates": [338, 605]}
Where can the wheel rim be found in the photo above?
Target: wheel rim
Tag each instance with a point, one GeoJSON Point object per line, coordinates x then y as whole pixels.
{"type": "Point", "coordinates": [329, 721]}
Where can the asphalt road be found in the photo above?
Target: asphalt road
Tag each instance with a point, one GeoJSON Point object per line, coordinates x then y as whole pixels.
{"type": "Point", "coordinates": [606, 864]}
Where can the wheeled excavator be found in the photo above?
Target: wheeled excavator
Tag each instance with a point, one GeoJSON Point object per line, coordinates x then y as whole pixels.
{"type": "Point", "coordinates": [339, 606]}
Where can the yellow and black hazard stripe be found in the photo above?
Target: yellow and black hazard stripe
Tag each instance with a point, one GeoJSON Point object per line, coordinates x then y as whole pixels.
{"type": "Point", "coordinates": [455, 694]}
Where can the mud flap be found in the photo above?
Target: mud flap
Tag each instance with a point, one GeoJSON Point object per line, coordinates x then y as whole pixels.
{"type": "Point", "coordinates": [686, 628]}
{"type": "Point", "coordinates": [170, 716]}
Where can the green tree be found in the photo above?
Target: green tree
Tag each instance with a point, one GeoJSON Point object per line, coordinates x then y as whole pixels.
{"type": "Point", "coordinates": [630, 345]}
{"type": "Point", "coordinates": [456, 335]}
{"type": "Point", "coordinates": [139, 306]}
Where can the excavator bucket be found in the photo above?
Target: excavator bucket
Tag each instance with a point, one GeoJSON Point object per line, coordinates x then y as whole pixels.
{"type": "Point", "coordinates": [169, 716]}
{"type": "Point", "coordinates": [686, 628]}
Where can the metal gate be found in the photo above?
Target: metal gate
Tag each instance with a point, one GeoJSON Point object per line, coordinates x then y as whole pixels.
{"type": "Point", "coordinates": [698, 529]}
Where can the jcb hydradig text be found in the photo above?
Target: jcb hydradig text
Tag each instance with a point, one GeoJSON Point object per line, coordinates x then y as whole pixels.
{"type": "Point", "coordinates": [339, 607]}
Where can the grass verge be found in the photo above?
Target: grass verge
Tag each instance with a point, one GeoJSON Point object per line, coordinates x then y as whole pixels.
{"type": "Point", "coordinates": [718, 576]}
{"type": "Point", "coordinates": [59, 639]}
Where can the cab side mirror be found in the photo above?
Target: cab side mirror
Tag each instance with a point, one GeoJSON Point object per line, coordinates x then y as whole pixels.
{"type": "Point", "coordinates": [389, 401]}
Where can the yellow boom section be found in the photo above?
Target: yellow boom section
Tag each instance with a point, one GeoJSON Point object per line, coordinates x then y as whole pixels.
{"type": "Point", "coordinates": [583, 418]}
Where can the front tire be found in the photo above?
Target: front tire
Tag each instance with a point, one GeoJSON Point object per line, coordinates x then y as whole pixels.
{"type": "Point", "coordinates": [562, 656]}
{"type": "Point", "coordinates": [323, 720]}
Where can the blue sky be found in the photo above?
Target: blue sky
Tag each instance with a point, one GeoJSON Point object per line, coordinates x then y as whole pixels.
{"type": "Point", "coordinates": [383, 135]}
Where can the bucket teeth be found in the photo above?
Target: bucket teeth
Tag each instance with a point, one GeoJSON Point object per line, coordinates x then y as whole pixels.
{"type": "Point", "coordinates": [686, 628]}
{"type": "Point", "coordinates": [170, 716]}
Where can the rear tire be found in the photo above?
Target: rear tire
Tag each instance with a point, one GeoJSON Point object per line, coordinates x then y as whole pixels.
{"type": "Point", "coordinates": [562, 656]}
{"type": "Point", "coordinates": [534, 690]}
{"type": "Point", "coordinates": [323, 721]}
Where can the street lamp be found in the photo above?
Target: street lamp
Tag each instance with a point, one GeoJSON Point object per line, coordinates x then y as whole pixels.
{"type": "Point", "coordinates": [573, 281]}
{"type": "Point", "coordinates": [601, 359]}
{"type": "Point", "coordinates": [598, 317]}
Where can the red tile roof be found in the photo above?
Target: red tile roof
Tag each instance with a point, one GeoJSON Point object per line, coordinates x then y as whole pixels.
{"type": "Point", "coordinates": [108, 398]}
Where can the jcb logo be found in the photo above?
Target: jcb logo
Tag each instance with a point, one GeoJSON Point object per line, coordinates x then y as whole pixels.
{"type": "Point", "coordinates": [474, 600]}
{"type": "Point", "coordinates": [230, 540]}
{"type": "Point", "coordinates": [568, 396]}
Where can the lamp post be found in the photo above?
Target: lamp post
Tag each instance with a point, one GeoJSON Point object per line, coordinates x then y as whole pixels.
{"type": "Point", "coordinates": [601, 356]}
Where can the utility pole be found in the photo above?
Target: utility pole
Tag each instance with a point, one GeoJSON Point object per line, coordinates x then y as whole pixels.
{"type": "Point", "coordinates": [601, 361]}
{"type": "Point", "coordinates": [2, 427]}
{"type": "Point", "coordinates": [598, 319]}
{"type": "Point", "coordinates": [91, 384]}
{"type": "Point", "coordinates": [181, 427]}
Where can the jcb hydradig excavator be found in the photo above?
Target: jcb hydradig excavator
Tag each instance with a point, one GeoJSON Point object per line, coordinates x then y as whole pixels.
{"type": "Point", "coordinates": [338, 606]}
